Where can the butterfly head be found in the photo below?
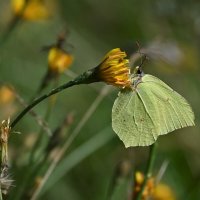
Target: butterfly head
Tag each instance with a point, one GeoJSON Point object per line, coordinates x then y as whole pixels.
{"type": "Point", "coordinates": [136, 77]}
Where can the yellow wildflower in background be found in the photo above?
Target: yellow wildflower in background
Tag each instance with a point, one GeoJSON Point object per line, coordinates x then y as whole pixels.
{"type": "Point", "coordinates": [30, 10]}
{"type": "Point", "coordinates": [163, 192]}
{"type": "Point", "coordinates": [6, 95]}
{"type": "Point", "coordinates": [152, 190]}
{"type": "Point", "coordinates": [59, 60]}
{"type": "Point", "coordinates": [114, 69]}
{"type": "Point", "coordinates": [148, 190]}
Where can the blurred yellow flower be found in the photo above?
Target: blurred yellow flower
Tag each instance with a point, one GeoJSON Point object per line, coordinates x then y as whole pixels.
{"type": "Point", "coordinates": [148, 190]}
{"type": "Point", "coordinates": [114, 69]}
{"type": "Point", "coordinates": [163, 192]}
{"type": "Point", "coordinates": [59, 60]}
{"type": "Point", "coordinates": [152, 190]}
{"type": "Point", "coordinates": [6, 95]}
{"type": "Point", "coordinates": [30, 10]}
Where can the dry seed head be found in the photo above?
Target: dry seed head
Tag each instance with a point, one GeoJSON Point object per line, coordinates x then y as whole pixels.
{"type": "Point", "coordinates": [5, 130]}
{"type": "Point", "coordinates": [6, 183]}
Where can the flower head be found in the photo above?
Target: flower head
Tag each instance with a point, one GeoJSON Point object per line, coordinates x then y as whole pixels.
{"type": "Point", "coordinates": [31, 10]}
{"type": "Point", "coordinates": [6, 95]}
{"type": "Point", "coordinates": [163, 192]}
{"type": "Point", "coordinates": [114, 69]}
{"type": "Point", "coordinates": [59, 60]}
{"type": "Point", "coordinates": [152, 190]}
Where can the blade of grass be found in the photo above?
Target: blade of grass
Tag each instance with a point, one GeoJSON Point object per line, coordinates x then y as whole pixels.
{"type": "Point", "coordinates": [73, 135]}
{"type": "Point", "coordinates": [81, 152]}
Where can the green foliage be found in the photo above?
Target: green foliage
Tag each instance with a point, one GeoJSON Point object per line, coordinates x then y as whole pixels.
{"type": "Point", "coordinates": [149, 109]}
{"type": "Point", "coordinates": [95, 27]}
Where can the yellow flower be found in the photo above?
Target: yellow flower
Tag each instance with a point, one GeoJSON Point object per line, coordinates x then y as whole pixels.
{"type": "Point", "coordinates": [148, 190]}
{"type": "Point", "coordinates": [114, 69]}
{"type": "Point", "coordinates": [32, 10]}
{"type": "Point", "coordinates": [59, 60]}
{"type": "Point", "coordinates": [152, 191]}
{"type": "Point", "coordinates": [163, 192]}
{"type": "Point", "coordinates": [6, 95]}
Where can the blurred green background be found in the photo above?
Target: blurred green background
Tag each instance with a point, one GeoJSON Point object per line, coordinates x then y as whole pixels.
{"type": "Point", "coordinates": [168, 29]}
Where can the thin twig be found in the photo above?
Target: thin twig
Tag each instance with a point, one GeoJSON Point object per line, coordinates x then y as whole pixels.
{"type": "Point", "coordinates": [68, 142]}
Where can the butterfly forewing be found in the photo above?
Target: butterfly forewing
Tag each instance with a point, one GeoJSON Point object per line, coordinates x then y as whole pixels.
{"type": "Point", "coordinates": [175, 108]}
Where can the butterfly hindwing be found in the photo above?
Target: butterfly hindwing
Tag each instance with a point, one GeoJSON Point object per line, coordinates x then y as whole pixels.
{"type": "Point", "coordinates": [130, 120]}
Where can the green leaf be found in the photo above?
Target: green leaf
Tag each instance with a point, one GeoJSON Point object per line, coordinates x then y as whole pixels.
{"type": "Point", "coordinates": [121, 189]}
{"type": "Point", "coordinates": [151, 108]}
{"type": "Point", "coordinates": [78, 155]}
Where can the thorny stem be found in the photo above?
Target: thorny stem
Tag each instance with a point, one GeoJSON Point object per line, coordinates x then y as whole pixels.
{"type": "Point", "coordinates": [148, 170]}
{"type": "Point", "coordinates": [68, 142]}
{"type": "Point", "coordinates": [84, 78]}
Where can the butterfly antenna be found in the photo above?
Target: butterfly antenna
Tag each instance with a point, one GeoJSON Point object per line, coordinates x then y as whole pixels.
{"type": "Point", "coordinates": [143, 59]}
{"type": "Point", "coordinates": [142, 55]}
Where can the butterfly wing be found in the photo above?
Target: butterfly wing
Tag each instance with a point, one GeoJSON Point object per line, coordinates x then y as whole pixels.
{"type": "Point", "coordinates": [130, 120]}
{"type": "Point", "coordinates": [174, 112]}
{"type": "Point", "coordinates": [152, 109]}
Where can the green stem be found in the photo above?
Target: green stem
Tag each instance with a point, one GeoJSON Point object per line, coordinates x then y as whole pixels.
{"type": "Point", "coordinates": [69, 141]}
{"type": "Point", "coordinates": [16, 19]}
{"type": "Point", "coordinates": [40, 135]}
{"type": "Point", "coordinates": [1, 197]}
{"type": "Point", "coordinates": [85, 78]}
{"type": "Point", "coordinates": [13, 24]}
{"type": "Point", "coordinates": [148, 170]}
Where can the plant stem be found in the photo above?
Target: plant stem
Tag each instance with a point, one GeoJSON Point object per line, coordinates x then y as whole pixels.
{"type": "Point", "coordinates": [1, 198]}
{"type": "Point", "coordinates": [41, 122]}
{"type": "Point", "coordinates": [40, 136]}
{"type": "Point", "coordinates": [69, 141]}
{"type": "Point", "coordinates": [148, 170]}
{"type": "Point", "coordinates": [85, 78]}
{"type": "Point", "coordinates": [16, 19]}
